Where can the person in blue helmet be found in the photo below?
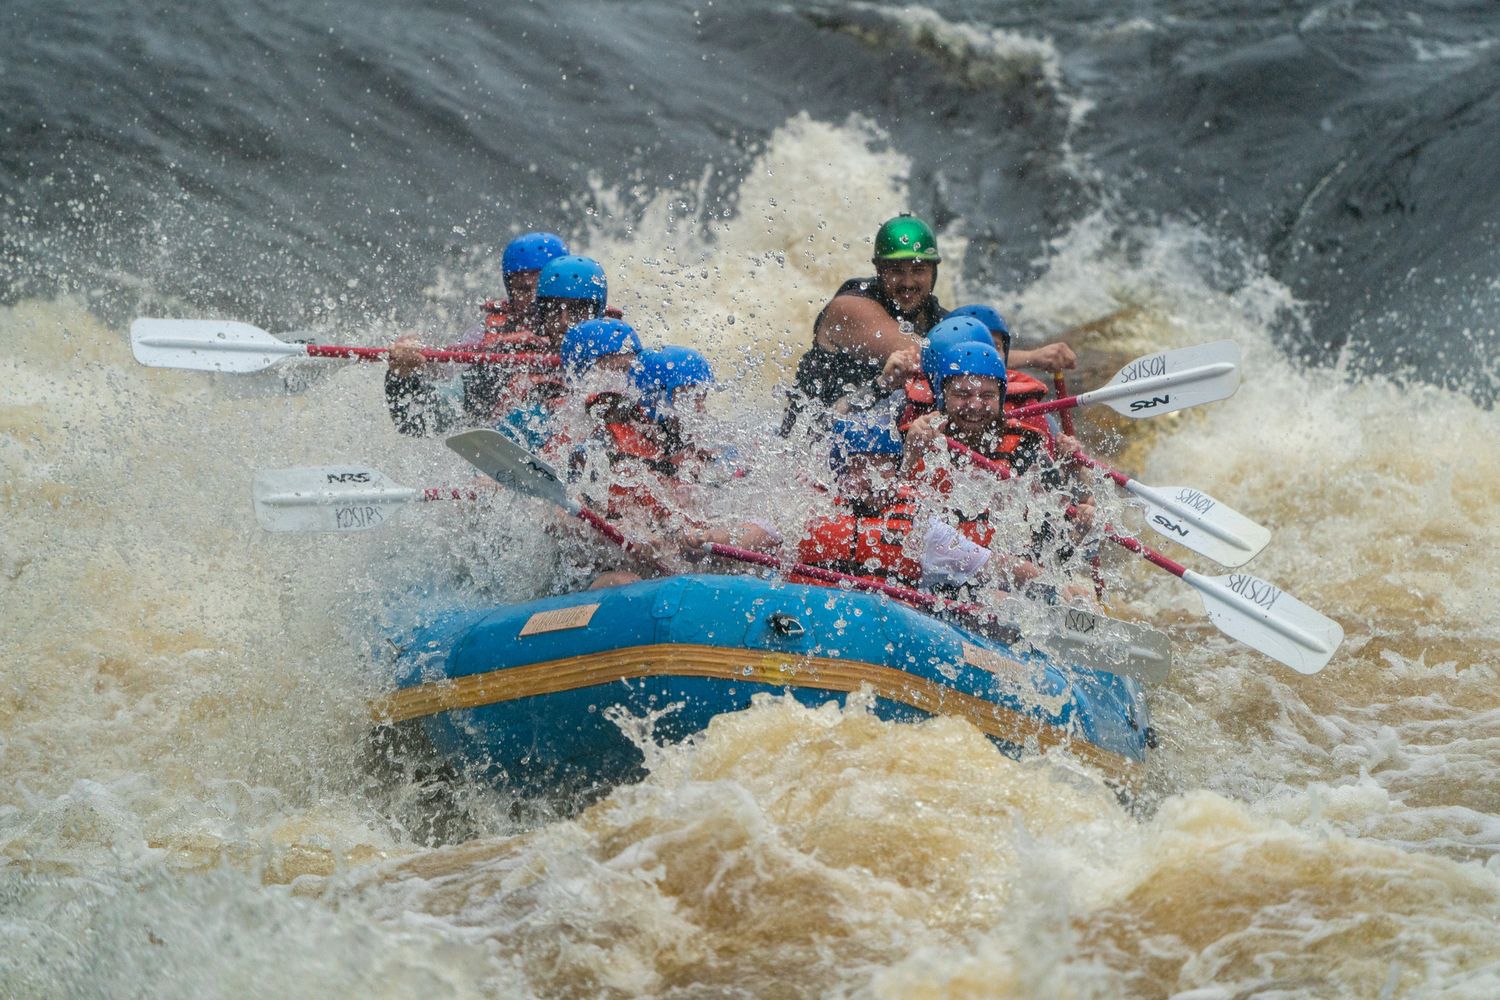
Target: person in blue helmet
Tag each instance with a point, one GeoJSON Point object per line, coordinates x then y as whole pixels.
{"type": "Point", "coordinates": [674, 383]}
{"type": "Point", "coordinates": [970, 381]}
{"type": "Point", "coordinates": [605, 346]}
{"type": "Point", "coordinates": [969, 389]}
{"type": "Point", "coordinates": [569, 291]}
{"type": "Point", "coordinates": [420, 396]}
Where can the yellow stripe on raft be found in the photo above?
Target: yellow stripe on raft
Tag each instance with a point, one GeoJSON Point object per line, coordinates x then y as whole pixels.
{"type": "Point", "coordinates": [734, 664]}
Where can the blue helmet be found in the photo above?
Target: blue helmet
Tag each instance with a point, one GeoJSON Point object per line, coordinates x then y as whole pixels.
{"type": "Point", "coordinates": [992, 320]}
{"type": "Point", "coordinates": [531, 252]}
{"type": "Point", "coordinates": [968, 359]}
{"type": "Point", "coordinates": [855, 437]}
{"type": "Point", "coordinates": [951, 332]}
{"type": "Point", "coordinates": [660, 373]}
{"type": "Point", "coordinates": [573, 278]}
{"type": "Point", "coordinates": [592, 339]}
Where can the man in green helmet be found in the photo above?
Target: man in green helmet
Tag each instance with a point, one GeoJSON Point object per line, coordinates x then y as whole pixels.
{"type": "Point", "coordinates": [872, 329]}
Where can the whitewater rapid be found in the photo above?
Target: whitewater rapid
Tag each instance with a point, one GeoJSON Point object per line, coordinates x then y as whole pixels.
{"type": "Point", "coordinates": [191, 809]}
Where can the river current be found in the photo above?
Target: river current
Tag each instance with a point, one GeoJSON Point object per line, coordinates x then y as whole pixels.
{"type": "Point", "coordinates": [190, 805]}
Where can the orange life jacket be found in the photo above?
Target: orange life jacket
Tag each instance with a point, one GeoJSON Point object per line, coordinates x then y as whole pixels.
{"type": "Point", "coordinates": [507, 331]}
{"type": "Point", "coordinates": [1022, 390]}
{"type": "Point", "coordinates": [872, 547]}
{"type": "Point", "coordinates": [1022, 441]}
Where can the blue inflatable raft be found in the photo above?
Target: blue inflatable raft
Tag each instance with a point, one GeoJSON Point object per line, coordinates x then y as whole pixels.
{"type": "Point", "coordinates": [523, 691]}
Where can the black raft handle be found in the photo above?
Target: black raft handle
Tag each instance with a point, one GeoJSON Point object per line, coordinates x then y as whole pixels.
{"type": "Point", "coordinates": [784, 624]}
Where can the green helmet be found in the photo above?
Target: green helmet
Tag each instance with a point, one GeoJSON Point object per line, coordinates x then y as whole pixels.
{"type": "Point", "coordinates": [906, 237]}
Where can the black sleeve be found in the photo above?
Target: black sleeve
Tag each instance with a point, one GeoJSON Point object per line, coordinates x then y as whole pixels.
{"type": "Point", "coordinates": [415, 408]}
{"type": "Point", "coordinates": [483, 386]}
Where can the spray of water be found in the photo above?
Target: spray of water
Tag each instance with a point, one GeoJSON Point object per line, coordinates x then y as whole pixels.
{"type": "Point", "coordinates": [184, 723]}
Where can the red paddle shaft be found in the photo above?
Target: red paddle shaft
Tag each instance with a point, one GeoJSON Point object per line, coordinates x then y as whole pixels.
{"type": "Point", "coordinates": [1149, 554]}
{"type": "Point", "coordinates": [1060, 387]}
{"type": "Point", "coordinates": [529, 360]}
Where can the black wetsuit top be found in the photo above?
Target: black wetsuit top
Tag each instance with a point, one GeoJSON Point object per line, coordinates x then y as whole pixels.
{"type": "Point", "coordinates": [419, 406]}
{"type": "Point", "coordinates": [826, 375]}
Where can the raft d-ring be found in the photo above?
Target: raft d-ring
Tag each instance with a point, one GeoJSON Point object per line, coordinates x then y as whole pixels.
{"type": "Point", "coordinates": [784, 624]}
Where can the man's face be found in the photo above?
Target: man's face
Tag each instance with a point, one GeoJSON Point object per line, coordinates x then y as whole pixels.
{"type": "Point", "coordinates": [520, 288]}
{"type": "Point", "coordinates": [561, 315]}
{"type": "Point", "coordinates": [906, 282]}
{"type": "Point", "coordinates": [620, 363]}
{"type": "Point", "coordinates": [971, 402]}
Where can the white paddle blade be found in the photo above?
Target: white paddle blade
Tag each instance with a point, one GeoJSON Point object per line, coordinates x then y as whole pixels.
{"type": "Point", "coordinates": [326, 498]}
{"type": "Point", "coordinates": [1265, 617]}
{"type": "Point", "coordinates": [207, 345]}
{"type": "Point", "coordinates": [1196, 520]}
{"type": "Point", "coordinates": [1130, 649]}
{"type": "Point", "coordinates": [1172, 380]}
{"type": "Point", "coordinates": [511, 465]}
{"type": "Point", "coordinates": [1086, 639]}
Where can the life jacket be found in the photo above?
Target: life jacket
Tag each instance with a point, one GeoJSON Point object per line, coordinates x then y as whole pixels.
{"type": "Point", "coordinates": [507, 331]}
{"type": "Point", "coordinates": [1022, 390]}
{"type": "Point", "coordinates": [629, 440]}
{"type": "Point", "coordinates": [1018, 449]}
{"type": "Point", "coordinates": [919, 400]}
{"type": "Point", "coordinates": [868, 546]}
{"type": "Point", "coordinates": [1022, 444]}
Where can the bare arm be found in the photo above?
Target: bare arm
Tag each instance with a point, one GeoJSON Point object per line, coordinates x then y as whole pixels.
{"type": "Point", "coordinates": [1049, 358]}
{"type": "Point", "coordinates": [861, 327]}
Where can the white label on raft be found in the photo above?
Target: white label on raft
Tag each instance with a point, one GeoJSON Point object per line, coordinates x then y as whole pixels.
{"type": "Point", "coordinates": [558, 620]}
{"type": "Point", "coordinates": [988, 659]}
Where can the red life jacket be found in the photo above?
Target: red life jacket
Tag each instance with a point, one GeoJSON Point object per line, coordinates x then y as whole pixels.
{"type": "Point", "coordinates": [507, 331]}
{"type": "Point", "coordinates": [1015, 446]}
{"type": "Point", "coordinates": [869, 547]}
{"type": "Point", "coordinates": [627, 443]}
{"type": "Point", "coordinates": [630, 440]}
{"type": "Point", "coordinates": [1022, 390]}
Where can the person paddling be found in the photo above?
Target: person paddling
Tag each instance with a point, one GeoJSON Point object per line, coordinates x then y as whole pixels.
{"type": "Point", "coordinates": [870, 334]}
{"type": "Point", "coordinates": [871, 532]}
{"type": "Point", "coordinates": [674, 384]}
{"type": "Point", "coordinates": [414, 389]}
{"type": "Point", "coordinates": [870, 319]}
{"type": "Point", "coordinates": [970, 387]}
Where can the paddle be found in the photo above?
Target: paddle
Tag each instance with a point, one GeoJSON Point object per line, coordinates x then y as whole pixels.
{"type": "Point", "coordinates": [213, 345]}
{"type": "Point", "coordinates": [1192, 518]}
{"type": "Point", "coordinates": [1159, 383]}
{"type": "Point", "coordinates": [1186, 515]}
{"type": "Point", "coordinates": [1244, 607]}
{"type": "Point", "coordinates": [512, 466]}
{"type": "Point", "coordinates": [1255, 612]}
{"type": "Point", "coordinates": [336, 498]}
{"type": "Point", "coordinates": [1093, 640]}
